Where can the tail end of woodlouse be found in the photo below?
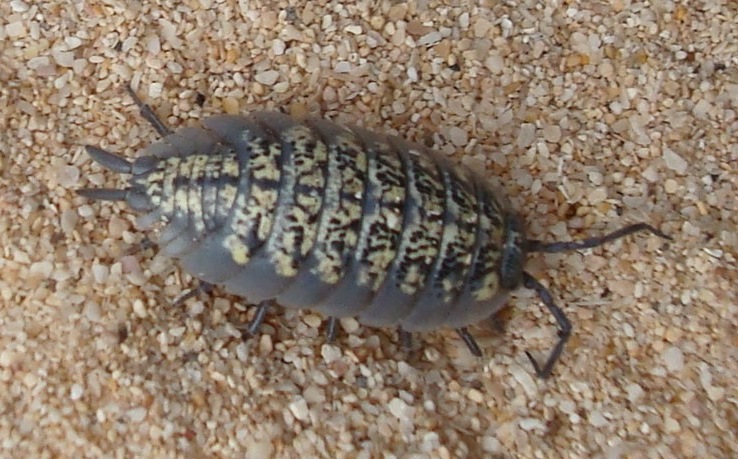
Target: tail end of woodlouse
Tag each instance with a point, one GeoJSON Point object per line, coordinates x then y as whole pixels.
{"type": "Point", "coordinates": [104, 194]}
{"type": "Point", "coordinates": [544, 371]}
{"type": "Point", "coordinates": [134, 198]}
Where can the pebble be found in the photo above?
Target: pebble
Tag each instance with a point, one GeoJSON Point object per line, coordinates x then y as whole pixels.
{"type": "Point", "coordinates": [330, 353]}
{"type": "Point", "coordinates": [529, 424]}
{"type": "Point", "coordinates": [635, 392]}
{"type": "Point", "coordinates": [19, 6]}
{"type": "Point", "coordinates": [68, 221]}
{"type": "Point", "coordinates": [552, 133]}
{"type": "Point", "coordinates": [399, 408]}
{"type": "Point", "coordinates": [527, 135]}
{"type": "Point", "coordinates": [76, 392]}
{"type": "Point", "coordinates": [63, 58]}
{"type": "Point", "coordinates": [701, 109]}
{"type": "Point", "coordinates": [137, 414]}
{"type": "Point", "coordinates": [524, 378]}
{"type": "Point", "coordinates": [458, 136]}
{"type": "Point", "coordinates": [674, 161]}
{"type": "Point", "coordinates": [430, 38]}
{"type": "Point", "coordinates": [299, 409]}
{"type": "Point", "coordinates": [278, 47]}
{"type": "Point", "coordinates": [495, 64]}
{"type": "Point", "coordinates": [68, 176]}
{"type": "Point", "coordinates": [596, 419]}
{"type": "Point", "coordinates": [41, 269]}
{"type": "Point", "coordinates": [15, 29]}
{"type": "Point", "coordinates": [481, 27]}
{"type": "Point", "coordinates": [267, 78]}
{"type": "Point", "coordinates": [673, 359]}
{"type": "Point", "coordinates": [671, 186]}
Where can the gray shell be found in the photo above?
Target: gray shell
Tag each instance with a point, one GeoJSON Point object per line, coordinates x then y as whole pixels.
{"type": "Point", "coordinates": [337, 220]}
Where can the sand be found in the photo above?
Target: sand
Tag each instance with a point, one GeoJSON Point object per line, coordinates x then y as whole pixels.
{"type": "Point", "coordinates": [590, 115]}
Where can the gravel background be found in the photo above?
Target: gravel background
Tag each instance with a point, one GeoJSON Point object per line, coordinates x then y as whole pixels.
{"type": "Point", "coordinates": [592, 114]}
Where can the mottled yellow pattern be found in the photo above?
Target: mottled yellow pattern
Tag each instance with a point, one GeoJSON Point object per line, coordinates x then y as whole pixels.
{"type": "Point", "coordinates": [301, 197]}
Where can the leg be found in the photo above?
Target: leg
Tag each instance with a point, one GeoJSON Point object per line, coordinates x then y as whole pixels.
{"type": "Point", "coordinates": [563, 323]}
{"type": "Point", "coordinates": [255, 323]}
{"type": "Point", "coordinates": [330, 329]}
{"type": "Point", "coordinates": [145, 244]}
{"type": "Point", "coordinates": [469, 341]}
{"type": "Point", "coordinates": [406, 339]}
{"type": "Point", "coordinates": [202, 287]}
{"type": "Point", "coordinates": [148, 114]}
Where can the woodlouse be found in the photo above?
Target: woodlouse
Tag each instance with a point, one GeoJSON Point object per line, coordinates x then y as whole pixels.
{"type": "Point", "coordinates": [310, 214]}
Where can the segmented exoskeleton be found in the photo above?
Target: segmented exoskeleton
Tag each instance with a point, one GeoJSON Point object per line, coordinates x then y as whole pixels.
{"type": "Point", "coordinates": [310, 214]}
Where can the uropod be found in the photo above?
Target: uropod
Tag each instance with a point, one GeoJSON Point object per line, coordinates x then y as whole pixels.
{"type": "Point", "coordinates": [309, 214]}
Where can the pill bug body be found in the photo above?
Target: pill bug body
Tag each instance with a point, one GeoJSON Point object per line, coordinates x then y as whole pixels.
{"type": "Point", "coordinates": [334, 219]}
{"type": "Point", "coordinates": [310, 214]}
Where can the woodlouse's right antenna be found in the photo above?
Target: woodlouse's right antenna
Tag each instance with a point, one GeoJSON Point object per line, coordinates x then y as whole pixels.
{"type": "Point", "coordinates": [533, 245]}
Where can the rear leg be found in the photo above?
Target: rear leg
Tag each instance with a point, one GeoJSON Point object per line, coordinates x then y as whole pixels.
{"type": "Point", "coordinates": [148, 114]}
{"type": "Point", "coordinates": [202, 287]}
{"type": "Point", "coordinates": [330, 329]}
{"type": "Point", "coordinates": [470, 342]}
{"type": "Point", "coordinates": [253, 327]}
{"type": "Point", "coordinates": [143, 245]}
{"type": "Point", "coordinates": [406, 339]}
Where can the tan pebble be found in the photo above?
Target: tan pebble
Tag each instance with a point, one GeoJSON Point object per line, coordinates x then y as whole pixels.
{"type": "Point", "coordinates": [267, 78]}
{"type": "Point", "coordinates": [139, 308]}
{"type": "Point", "coordinates": [399, 408]}
{"type": "Point", "coordinates": [313, 320]}
{"type": "Point", "coordinates": [552, 133]}
{"type": "Point", "coordinates": [674, 161]}
{"type": "Point", "coordinates": [15, 29]}
{"type": "Point", "coordinates": [137, 414]}
{"type": "Point", "coordinates": [417, 29]}
{"type": "Point", "coordinates": [430, 38]}
{"type": "Point", "coordinates": [41, 269]}
{"type": "Point", "coordinates": [330, 353]}
{"type": "Point", "coordinates": [671, 186]}
{"type": "Point", "coordinates": [597, 195]}
{"type": "Point", "coordinates": [278, 47]}
{"type": "Point", "coordinates": [397, 12]}
{"type": "Point", "coordinates": [481, 27]}
{"type": "Point", "coordinates": [597, 420]}
{"type": "Point", "coordinates": [673, 358]}
{"type": "Point", "coordinates": [475, 396]}
{"type": "Point", "coordinates": [529, 424]}
{"type": "Point", "coordinates": [527, 135]}
{"type": "Point", "coordinates": [299, 409]}
{"type": "Point", "coordinates": [349, 325]}
{"type": "Point", "coordinates": [458, 136]}
{"type": "Point", "coordinates": [671, 425]}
